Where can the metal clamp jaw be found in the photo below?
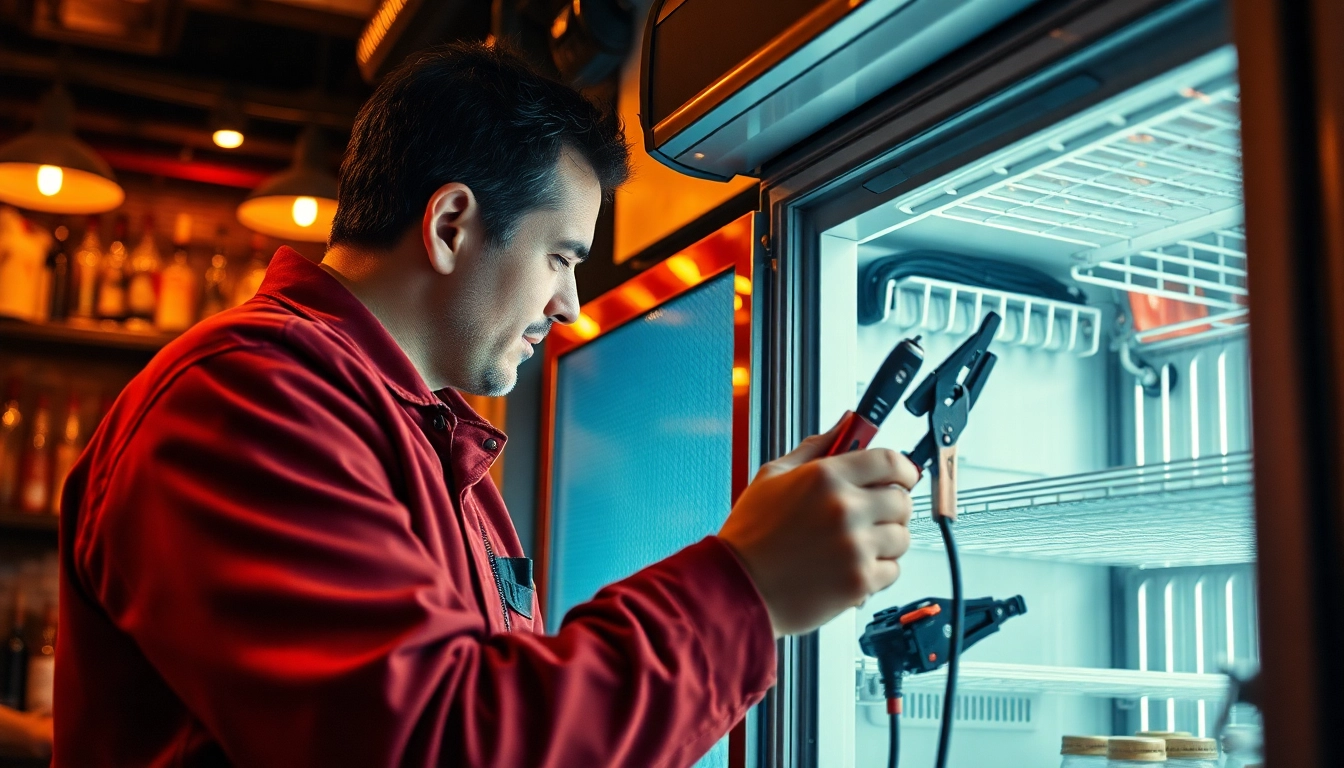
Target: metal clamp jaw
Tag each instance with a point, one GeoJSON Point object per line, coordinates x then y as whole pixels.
{"type": "Point", "coordinates": [947, 396]}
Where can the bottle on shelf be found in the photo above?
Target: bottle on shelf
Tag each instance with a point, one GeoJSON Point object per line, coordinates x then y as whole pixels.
{"type": "Point", "coordinates": [35, 474]}
{"type": "Point", "coordinates": [254, 274]}
{"type": "Point", "coordinates": [1191, 752]}
{"type": "Point", "coordinates": [14, 658]}
{"type": "Point", "coordinates": [67, 450]}
{"type": "Point", "coordinates": [42, 666]}
{"type": "Point", "coordinates": [84, 283]}
{"type": "Point", "coordinates": [11, 444]}
{"type": "Point", "coordinates": [1083, 752]}
{"type": "Point", "coordinates": [177, 290]}
{"type": "Point", "coordinates": [1134, 752]}
{"type": "Point", "coordinates": [23, 267]}
{"type": "Point", "coordinates": [111, 302]}
{"type": "Point", "coordinates": [217, 297]}
{"type": "Point", "coordinates": [142, 286]}
{"type": "Point", "coordinates": [58, 275]}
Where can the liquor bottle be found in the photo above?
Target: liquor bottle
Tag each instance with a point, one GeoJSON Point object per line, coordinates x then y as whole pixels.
{"type": "Point", "coordinates": [42, 666]}
{"type": "Point", "coordinates": [216, 297]}
{"type": "Point", "coordinates": [111, 302]}
{"type": "Point", "coordinates": [58, 266]}
{"type": "Point", "coordinates": [11, 444]}
{"type": "Point", "coordinates": [84, 272]}
{"type": "Point", "coordinates": [67, 450]}
{"type": "Point", "coordinates": [35, 471]}
{"type": "Point", "coordinates": [254, 274]}
{"type": "Point", "coordinates": [14, 659]}
{"type": "Point", "coordinates": [177, 290]}
{"type": "Point", "coordinates": [142, 289]}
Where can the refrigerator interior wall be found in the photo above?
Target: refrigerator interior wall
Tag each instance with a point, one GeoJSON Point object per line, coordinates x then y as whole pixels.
{"type": "Point", "coordinates": [1105, 472]}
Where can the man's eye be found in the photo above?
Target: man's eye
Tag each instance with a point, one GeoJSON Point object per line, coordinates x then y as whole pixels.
{"type": "Point", "coordinates": [561, 260]}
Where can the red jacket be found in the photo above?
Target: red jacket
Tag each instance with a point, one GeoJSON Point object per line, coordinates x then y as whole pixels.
{"type": "Point", "coordinates": [277, 550]}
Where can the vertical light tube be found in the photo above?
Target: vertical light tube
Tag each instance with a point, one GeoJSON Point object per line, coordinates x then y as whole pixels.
{"type": "Point", "coordinates": [1222, 402]}
{"type": "Point", "coordinates": [1166, 414]}
{"type": "Point", "coordinates": [1169, 638]}
{"type": "Point", "coordinates": [1199, 651]}
{"type": "Point", "coordinates": [1231, 620]}
{"type": "Point", "coordinates": [1193, 389]}
{"type": "Point", "coordinates": [1139, 437]}
{"type": "Point", "coordinates": [1143, 643]}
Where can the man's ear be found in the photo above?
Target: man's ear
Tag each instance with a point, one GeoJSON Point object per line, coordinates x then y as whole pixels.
{"type": "Point", "coordinates": [452, 224]}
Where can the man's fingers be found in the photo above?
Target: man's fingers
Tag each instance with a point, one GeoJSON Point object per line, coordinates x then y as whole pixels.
{"type": "Point", "coordinates": [882, 574]}
{"type": "Point", "coordinates": [890, 540]}
{"type": "Point", "coordinates": [874, 467]}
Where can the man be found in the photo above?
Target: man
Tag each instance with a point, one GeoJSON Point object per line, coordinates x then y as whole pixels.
{"type": "Point", "coordinates": [282, 547]}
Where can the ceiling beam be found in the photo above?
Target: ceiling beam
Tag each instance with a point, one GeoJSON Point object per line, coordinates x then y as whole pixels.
{"type": "Point", "coordinates": [285, 15]}
{"type": "Point", "coordinates": [174, 135]}
{"type": "Point", "coordinates": [261, 103]}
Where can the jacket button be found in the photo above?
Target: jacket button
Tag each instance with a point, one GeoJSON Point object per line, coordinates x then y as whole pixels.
{"type": "Point", "coordinates": [490, 443]}
{"type": "Point", "coordinates": [440, 423]}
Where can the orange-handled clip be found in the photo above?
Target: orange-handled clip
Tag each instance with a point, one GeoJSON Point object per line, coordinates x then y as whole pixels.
{"type": "Point", "coordinates": [855, 434]}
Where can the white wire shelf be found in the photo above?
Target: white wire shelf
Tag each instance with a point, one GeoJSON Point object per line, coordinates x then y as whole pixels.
{"type": "Point", "coordinates": [990, 677]}
{"type": "Point", "coordinates": [1136, 174]}
{"type": "Point", "coordinates": [1032, 322]}
{"type": "Point", "coordinates": [1191, 512]}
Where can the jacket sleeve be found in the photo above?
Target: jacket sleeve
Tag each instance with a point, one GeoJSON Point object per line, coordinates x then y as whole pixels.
{"type": "Point", "coordinates": [251, 542]}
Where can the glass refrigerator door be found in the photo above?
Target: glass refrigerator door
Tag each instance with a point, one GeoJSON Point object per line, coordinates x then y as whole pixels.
{"type": "Point", "coordinates": [1106, 473]}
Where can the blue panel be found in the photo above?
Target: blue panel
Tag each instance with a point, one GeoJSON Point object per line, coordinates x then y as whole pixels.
{"type": "Point", "coordinates": [643, 447]}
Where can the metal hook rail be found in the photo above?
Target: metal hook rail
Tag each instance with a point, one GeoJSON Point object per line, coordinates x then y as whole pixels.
{"type": "Point", "coordinates": [1032, 322]}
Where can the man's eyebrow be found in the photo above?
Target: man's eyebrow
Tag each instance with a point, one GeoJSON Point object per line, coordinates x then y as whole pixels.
{"type": "Point", "coordinates": [579, 248]}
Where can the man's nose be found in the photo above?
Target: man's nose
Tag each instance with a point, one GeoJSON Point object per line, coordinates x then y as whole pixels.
{"type": "Point", "coordinates": [564, 305]}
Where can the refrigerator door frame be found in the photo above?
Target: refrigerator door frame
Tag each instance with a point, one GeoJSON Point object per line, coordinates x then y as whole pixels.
{"type": "Point", "coordinates": [1293, 131]}
{"type": "Point", "coordinates": [1029, 76]}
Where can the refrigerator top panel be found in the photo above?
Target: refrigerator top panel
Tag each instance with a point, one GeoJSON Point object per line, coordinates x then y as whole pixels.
{"type": "Point", "coordinates": [713, 108]}
{"type": "Point", "coordinates": [1157, 166]}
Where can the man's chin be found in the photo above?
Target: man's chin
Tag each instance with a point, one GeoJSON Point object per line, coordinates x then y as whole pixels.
{"type": "Point", "coordinates": [499, 381]}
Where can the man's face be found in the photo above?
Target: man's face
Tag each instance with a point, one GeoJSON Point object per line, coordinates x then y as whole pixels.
{"type": "Point", "coordinates": [500, 301]}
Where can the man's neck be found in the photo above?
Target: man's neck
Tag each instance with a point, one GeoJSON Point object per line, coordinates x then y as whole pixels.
{"type": "Point", "coordinates": [387, 291]}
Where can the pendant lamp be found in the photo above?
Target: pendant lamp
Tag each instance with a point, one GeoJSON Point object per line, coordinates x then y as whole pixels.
{"type": "Point", "coordinates": [299, 203]}
{"type": "Point", "coordinates": [48, 169]}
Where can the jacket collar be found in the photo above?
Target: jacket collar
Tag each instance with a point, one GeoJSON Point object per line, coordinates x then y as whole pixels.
{"type": "Point", "coordinates": [314, 293]}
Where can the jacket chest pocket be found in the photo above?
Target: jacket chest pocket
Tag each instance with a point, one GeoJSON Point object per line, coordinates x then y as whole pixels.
{"type": "Point", "coordinates": [515, 577]}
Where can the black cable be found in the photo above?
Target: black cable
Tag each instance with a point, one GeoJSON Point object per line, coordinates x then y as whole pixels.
{"type": "Point", "coordinates": [954, 642]}
{"type": "Point", "coordinates": [894, 747]}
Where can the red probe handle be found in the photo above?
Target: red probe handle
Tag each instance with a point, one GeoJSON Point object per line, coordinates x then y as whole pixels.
{"type": "Point", "coordinates": [855, 434]}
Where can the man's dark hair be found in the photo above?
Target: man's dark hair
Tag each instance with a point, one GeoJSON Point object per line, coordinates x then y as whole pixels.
{"type": "Point", "coordinates": [472, 114]}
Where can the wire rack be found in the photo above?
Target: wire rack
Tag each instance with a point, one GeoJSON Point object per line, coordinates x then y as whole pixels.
{"type": "Point", "coordinates": [940, 306]}
{"type": "Point", "coordinates": [1177, 161]}
{"type": "Point", "coordinates": [1192, 512]}
{"type": "Point", "coordinates": [989, 677]}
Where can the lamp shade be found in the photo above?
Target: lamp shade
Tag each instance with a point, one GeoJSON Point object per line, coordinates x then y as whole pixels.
{"type": "Point", "coordinates": [48, 169]}
{"type": "Point", "coordinates": [297, 204]}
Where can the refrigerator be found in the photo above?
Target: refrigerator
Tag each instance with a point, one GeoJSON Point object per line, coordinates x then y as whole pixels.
{"type": "Point", "coordinates": [1166, 502]}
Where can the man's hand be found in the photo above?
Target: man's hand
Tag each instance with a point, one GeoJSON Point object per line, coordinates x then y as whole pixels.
{"type": "Point", "coordinates": [820, 534]}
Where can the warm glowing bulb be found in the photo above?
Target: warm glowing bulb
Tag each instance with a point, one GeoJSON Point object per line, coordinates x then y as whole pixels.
{"type": "Point", "coordinates": [685, 269]}
{"type": "Point", "coordinates": [741, 377]}
{"type": "Point", "coordinates": [49, 179]}
{"type": "Point", "coordinates": [304, 211]}
{"type": "Point", "coordinates": [586, 327]}
{"type": "Point", "coordinates": [228, 139]}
